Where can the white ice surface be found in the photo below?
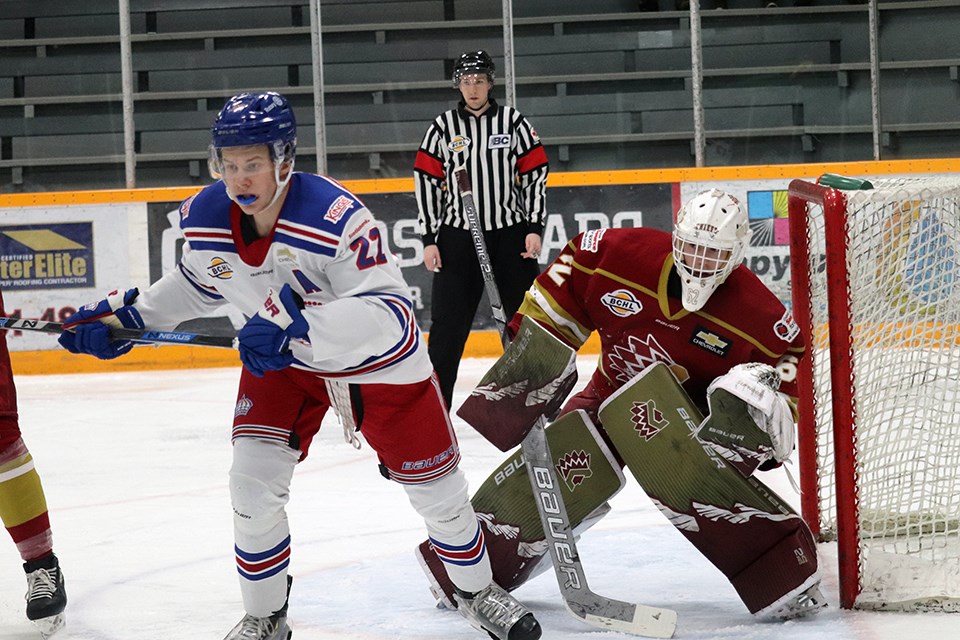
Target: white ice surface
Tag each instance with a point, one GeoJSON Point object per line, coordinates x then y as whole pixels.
{"type": "Point", "coordinates": [135, 464]}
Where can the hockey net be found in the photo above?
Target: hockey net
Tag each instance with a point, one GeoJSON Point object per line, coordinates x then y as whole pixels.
{"type": "Point", "coordinates": [876, 289]}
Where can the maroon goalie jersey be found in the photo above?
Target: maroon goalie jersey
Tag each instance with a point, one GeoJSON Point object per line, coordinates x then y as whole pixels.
{"type": "Point", "coordinates": [621, 283]}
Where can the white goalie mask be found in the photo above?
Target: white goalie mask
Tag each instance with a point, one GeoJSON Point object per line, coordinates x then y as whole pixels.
{"type": "Point", "coordinates": [709, 239]}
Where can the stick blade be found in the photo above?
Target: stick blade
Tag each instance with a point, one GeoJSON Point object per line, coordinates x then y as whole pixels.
{"type": "Point", "coordinates": [625, 617]}
{"type": "Point", "coordinates": [616, 615]}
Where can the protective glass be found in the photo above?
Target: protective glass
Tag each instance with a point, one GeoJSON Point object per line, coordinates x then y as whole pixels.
{"type": "Point", "coordinates": [231, 168]}
{"type": "Point", "coordinates": [472, 80]}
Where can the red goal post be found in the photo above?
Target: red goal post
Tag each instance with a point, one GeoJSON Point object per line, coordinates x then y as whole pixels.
{"type": "Point", "coordinates": [875, 275]}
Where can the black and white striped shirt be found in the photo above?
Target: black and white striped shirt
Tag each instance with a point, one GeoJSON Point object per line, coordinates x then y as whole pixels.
{"type": "Point", "coordinates": [506, 163]}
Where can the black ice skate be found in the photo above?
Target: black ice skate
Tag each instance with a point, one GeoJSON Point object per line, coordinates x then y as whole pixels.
{"type": "Point", "coordinates": [498, 613]}
{"type": "Point", "coordinates": [272, 627]}
{"type": "Point", "coordinates": [46, 596]}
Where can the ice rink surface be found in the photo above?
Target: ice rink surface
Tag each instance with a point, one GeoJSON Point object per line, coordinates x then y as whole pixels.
{"type": "Point", "coordinates": [135, 467]}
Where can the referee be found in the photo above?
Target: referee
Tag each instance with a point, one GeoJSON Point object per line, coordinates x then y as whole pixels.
{"type": "Point", "coordinates": [508, 169]}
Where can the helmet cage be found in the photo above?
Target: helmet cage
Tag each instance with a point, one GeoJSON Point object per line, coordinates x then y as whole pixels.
{"type": "Point", "coordinates": [473, 63]}
{"type": "Point", "coordinates": [709, 241]}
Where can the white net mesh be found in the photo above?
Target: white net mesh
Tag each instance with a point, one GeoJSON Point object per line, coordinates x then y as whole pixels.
{"type": "Point", "coordinates": [904, 299]}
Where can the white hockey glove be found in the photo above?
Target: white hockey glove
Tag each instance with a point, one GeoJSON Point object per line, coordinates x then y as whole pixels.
{"type": "Point", "coordinates": [750, 421]}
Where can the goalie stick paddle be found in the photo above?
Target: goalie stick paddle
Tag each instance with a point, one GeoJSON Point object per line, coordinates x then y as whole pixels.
{"type": "Point", "coordinates": [589, 607]}
{"type": "Point", "coordinates": [137, 335]}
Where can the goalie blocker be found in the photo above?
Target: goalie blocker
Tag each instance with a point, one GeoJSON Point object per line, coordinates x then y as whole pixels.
{"type": "Point", "coordinates": [742, 527]}
{"type": "Point", "coordinates": [531, 379]}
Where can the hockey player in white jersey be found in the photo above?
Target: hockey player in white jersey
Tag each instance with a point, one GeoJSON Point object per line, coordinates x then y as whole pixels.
{"type": "Point", "coordinates": [329, 312]}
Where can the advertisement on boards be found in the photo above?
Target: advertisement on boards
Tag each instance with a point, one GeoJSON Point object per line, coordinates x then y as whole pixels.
{"type": "Point", "coordinates": [55, 258]}
{"type": "Point", "coordinates": [768, 255]}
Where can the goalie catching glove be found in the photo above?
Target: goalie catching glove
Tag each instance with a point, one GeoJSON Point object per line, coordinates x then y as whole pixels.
{"type": "Point", "coordinates": [750, 422]}
{"type": "Point", "coordinates": [265, 339]}
{"type": "Point", "coordinates": [88, 330]}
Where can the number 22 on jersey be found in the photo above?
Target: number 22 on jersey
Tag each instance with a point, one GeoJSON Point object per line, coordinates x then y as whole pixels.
{"type": "Point", "coordinates": [369, 249]}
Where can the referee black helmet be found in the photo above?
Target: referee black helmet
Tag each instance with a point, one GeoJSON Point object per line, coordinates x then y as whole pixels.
{"type": "Point", "coordinates": [473, 62]}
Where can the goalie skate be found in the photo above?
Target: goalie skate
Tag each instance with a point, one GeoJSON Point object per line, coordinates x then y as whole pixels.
{"type": "Point", "coordinates": [807, 603]}
{"type": "Point", "coordinates": [499, 614]}
{"type": "Point", "coordinates": [46, 596]}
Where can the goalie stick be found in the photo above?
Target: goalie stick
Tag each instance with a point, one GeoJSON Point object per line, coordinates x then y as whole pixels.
{"type": "Point", "coordinates": [589, 607]}
{"type": "Point", "coordinates": [137, 335]}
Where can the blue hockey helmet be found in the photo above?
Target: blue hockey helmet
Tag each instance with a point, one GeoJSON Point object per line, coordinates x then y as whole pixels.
{"type": "Point", "coordinates": [251, 119]}
{"type": "Point", "coordinates": [473, 62]}
{"type": "Point", "coordinates": [261, 118]}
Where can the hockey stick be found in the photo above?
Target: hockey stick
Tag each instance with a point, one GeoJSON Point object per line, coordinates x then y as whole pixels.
{"type": "Point", "coordinates": [583, 603]}
{"type": "Point", "coordinates": [137, 335]}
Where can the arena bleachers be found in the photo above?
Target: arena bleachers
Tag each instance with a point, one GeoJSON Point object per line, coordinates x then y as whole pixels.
{"type": "Point", "coordinates": [606, 89]}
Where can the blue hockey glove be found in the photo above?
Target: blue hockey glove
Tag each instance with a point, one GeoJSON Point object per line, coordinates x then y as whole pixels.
{"type": "Point", "coordinates": [88, 330]}
{"type": "Point", "coordinates": [265, 339]}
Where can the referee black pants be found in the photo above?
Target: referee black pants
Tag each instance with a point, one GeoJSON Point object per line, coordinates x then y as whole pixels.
{"type": "Point", "coordinates": [458, 288]}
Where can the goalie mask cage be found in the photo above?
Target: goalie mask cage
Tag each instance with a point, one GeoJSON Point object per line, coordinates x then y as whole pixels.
{"type": "Point", "coordinates": [876, 291]}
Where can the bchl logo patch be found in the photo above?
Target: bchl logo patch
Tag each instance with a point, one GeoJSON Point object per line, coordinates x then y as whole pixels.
{"type": "Point", "coordinates": [574, 468]}
{"type": "Point", "coordinates": [459, 144]}
{"type": "Point", "coordinates": [786, 327]}
{"type": "Point", "coordinates": [244, 405]}
{"type": "Point", "coordinates": [708, 340]}
{"type": "Point", "coordinates": [648, 421]}
{"type": "Point", "coordinates": [340, 206]}
{"type": "Point", "coordinates": [220, 269]}
{"type": "Point", "coordinates": [499, 141]}
{"type": "Point", "coordinates": [621, 303]}
{"type": "Point", "coordinates": [591, 240]}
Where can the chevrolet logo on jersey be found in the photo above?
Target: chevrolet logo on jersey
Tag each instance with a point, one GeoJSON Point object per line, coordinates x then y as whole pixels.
{"type": "Point", "coordinates": [621, 302]}
{"type": "Point", "coordinates": [459, 144]}
{"type": "Point", "coordinates": [711, 342]}
{"type": "Point", "coordinates": [285, 256]}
